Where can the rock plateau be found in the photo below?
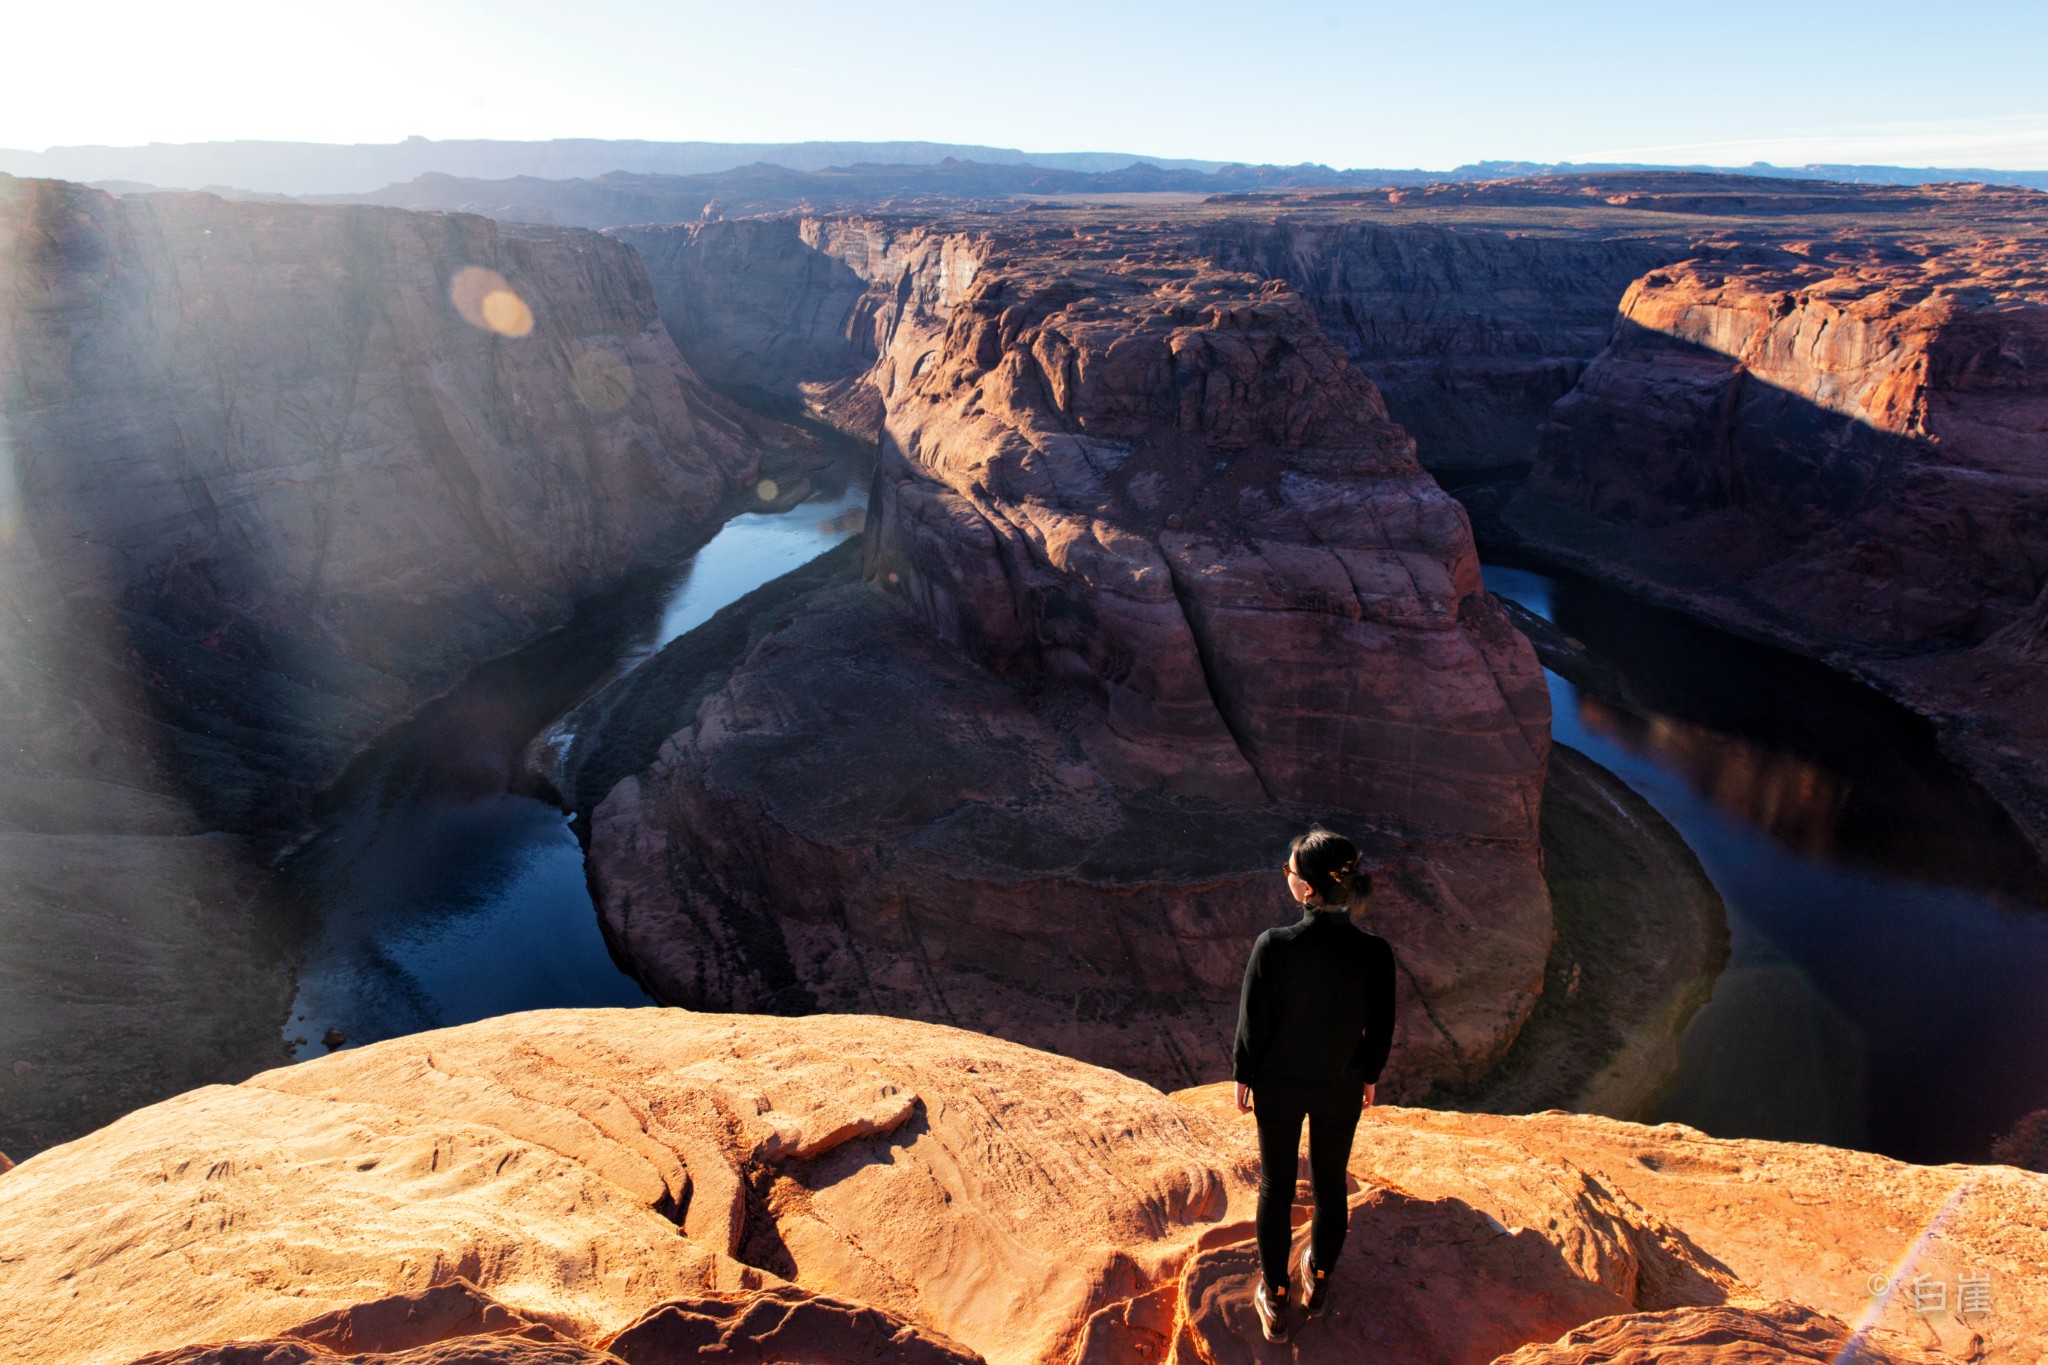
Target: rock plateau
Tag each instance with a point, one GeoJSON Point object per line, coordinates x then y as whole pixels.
{"type": "Point", "coordinates": [1844, 450]}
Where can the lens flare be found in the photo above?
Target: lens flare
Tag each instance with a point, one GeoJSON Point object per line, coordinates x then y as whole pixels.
{"type": "Point", "coordinates": [487, 301]}
{"type": "Point", "coordinates": [603, 381]}
{"type": "Point", "coordinates": [1887, 1285]}
{"type": "Point", "coordinates": [507, 313]}
{"type": "Point", "coordinates": [767, 490]}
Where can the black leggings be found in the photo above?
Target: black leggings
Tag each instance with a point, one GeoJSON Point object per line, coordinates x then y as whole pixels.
{"type": "Point", "coordinates": [1332, 1112]}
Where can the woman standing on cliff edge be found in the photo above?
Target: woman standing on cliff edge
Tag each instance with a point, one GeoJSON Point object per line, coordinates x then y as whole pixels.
{"type": "Point", "coordinates": [1313, 1027]}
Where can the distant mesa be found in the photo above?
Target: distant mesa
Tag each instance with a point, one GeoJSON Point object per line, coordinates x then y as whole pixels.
{"type": "Point", "coordinates": [335, 168]}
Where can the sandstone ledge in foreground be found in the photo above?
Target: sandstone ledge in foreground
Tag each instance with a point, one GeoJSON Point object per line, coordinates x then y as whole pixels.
{"type": "Point", "coordinates": [582, 1169]}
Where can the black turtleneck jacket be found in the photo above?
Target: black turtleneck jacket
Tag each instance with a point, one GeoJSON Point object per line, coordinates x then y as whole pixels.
{"type": "Point", "coordinates": [1317, 1006]}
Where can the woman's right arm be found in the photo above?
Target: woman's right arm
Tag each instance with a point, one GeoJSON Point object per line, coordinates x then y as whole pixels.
{"type": "Point", "coordinates": [1253, 1019]}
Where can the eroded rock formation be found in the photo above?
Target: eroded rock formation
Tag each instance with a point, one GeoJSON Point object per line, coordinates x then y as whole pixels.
{"type": "Point", "coordinates": [1166, 583]}
{"type": "Point", "coordinates": [1778, 1334]}
{"type": "Point", "coordinates": [1845, 451]}
{"type": "Point", "coordinates": [1469, 334]}
{"type": "Point", "coordinates": [264, 488]}
{"type": "Point", "coordinates": [588, 1186]}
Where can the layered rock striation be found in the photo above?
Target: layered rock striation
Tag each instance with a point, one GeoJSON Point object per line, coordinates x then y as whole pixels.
{"type": "Point", "coordinates": [1844, 450]}
{"type": "Point", "coordinates": [652, 1186]}
{"type": "Point", "coordinates": [272, 476]}
{"type": "Point", "coordinates": [1149, 580]}
{"type": "Point", "coordinates": [1470, 334]}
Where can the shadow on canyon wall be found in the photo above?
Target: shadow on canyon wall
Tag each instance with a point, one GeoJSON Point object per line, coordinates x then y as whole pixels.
{"type": "Point", "coordinates": [1886, 515]}
{"type": "Point", "coordinates": [268, 490]}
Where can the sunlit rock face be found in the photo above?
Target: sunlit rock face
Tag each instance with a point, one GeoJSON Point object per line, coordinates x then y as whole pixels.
{"type": "Point", "coordinates": [271, 476]}
{"type": "Point", "coordinates": [654, 1186]}
{"type": "Point", "coordinates": [1845, 451]}
{"type": "Point", "coordinates": [1470, 336]}
{"type": "Point", "coordinates": [1863, 443]}
{"type": "Point", "coordinates": [1150, 581]}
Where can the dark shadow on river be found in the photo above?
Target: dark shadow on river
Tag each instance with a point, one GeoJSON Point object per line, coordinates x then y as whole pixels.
{"type": "Point", "coordinates": [1888, 941]}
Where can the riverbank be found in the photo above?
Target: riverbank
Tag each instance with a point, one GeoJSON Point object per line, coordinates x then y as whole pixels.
{"type": "Point", "coordinates": [1991, 725]}
{"type": "Point", "coordinates": [618, 729]}
{"type": "Point", "coordinates": [1883, 910]}
{"type": "Point", "coordinates": [1641, 937]}
{"type": "Point", "coordinates": [446, 885]}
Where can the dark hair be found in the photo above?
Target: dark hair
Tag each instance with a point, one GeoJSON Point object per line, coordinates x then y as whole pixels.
{"type": "Point", "coordinates": [1328, 862]}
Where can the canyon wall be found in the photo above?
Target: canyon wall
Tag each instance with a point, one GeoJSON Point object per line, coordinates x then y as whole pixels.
{"type": "Point", "coordinates": [1845, 452]}
{"type": "Point", "coordinates": [1150, 579]}
{"type": "Point", "coordinates": [270, 477]}
{"type": "Point", "coordinates": [1470, 334]}
{"type": "Point", "coordinates": [754, 304]}
{"type": "Point", "coordinates": [650, 1186]}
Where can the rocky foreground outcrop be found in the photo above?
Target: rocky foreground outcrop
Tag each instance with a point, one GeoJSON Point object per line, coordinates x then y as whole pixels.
{"type": "Point", "coordinates": [653, 1186]}
{"type": "Point", "coordinates": [1844, 449]}
{"type": "Point", "coordinates": [1149, 581]}
{"type": "Point", "coordinates": [271, 476]}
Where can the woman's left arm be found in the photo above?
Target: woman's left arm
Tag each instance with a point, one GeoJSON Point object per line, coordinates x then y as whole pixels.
{"type": "Point", "coordinates": [1378, 1038]}
{"type": "Point", "coordinates": [1251, 1026]}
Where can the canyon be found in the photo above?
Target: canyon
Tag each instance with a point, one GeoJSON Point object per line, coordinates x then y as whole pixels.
{"type": "Point", "coordinates": [1149, 579]}
{"type": "Point", "coordinates": [1485, 316]}
{"type": "Point", "coordinates": [1156, 568]}
{"type": "Point", "coordinates": [265, 488]}
{"type": "Point", "coordinates": [1840, 449]}
{"type": "Point", "coordinates": [642, 1185]}
{"type": "Point", "coordinates": [1042, 385]}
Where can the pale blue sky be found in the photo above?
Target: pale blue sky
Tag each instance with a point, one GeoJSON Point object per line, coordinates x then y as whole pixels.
{"type": "Point", "coordinates": [1355, 84]}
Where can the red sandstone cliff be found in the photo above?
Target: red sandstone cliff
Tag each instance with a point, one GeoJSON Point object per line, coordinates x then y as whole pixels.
{"type": "Point", "coordinates": [263, 490]}
{"type": "Point", "coordinates": [1168, 583]}
{"type": "Point", "coordinates": [1847, 454]}
{"type": "Point", "coordinates": [1468, 333]}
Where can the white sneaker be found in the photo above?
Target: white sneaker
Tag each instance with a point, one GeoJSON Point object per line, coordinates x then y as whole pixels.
{"type": "Point", "coordinates": [1272, 1311]}
{"type": "Point", "coordinates": [1315, 1284]}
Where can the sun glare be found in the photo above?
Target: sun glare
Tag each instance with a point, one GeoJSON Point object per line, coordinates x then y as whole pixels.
{"type": "Point", "coordinates": [487, 301]}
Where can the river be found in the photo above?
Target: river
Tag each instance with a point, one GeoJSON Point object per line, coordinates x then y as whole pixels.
{"type": "Point", "coordinates": [1888, 943]}
{"type": "Point", "coordinates": [437, 891]}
